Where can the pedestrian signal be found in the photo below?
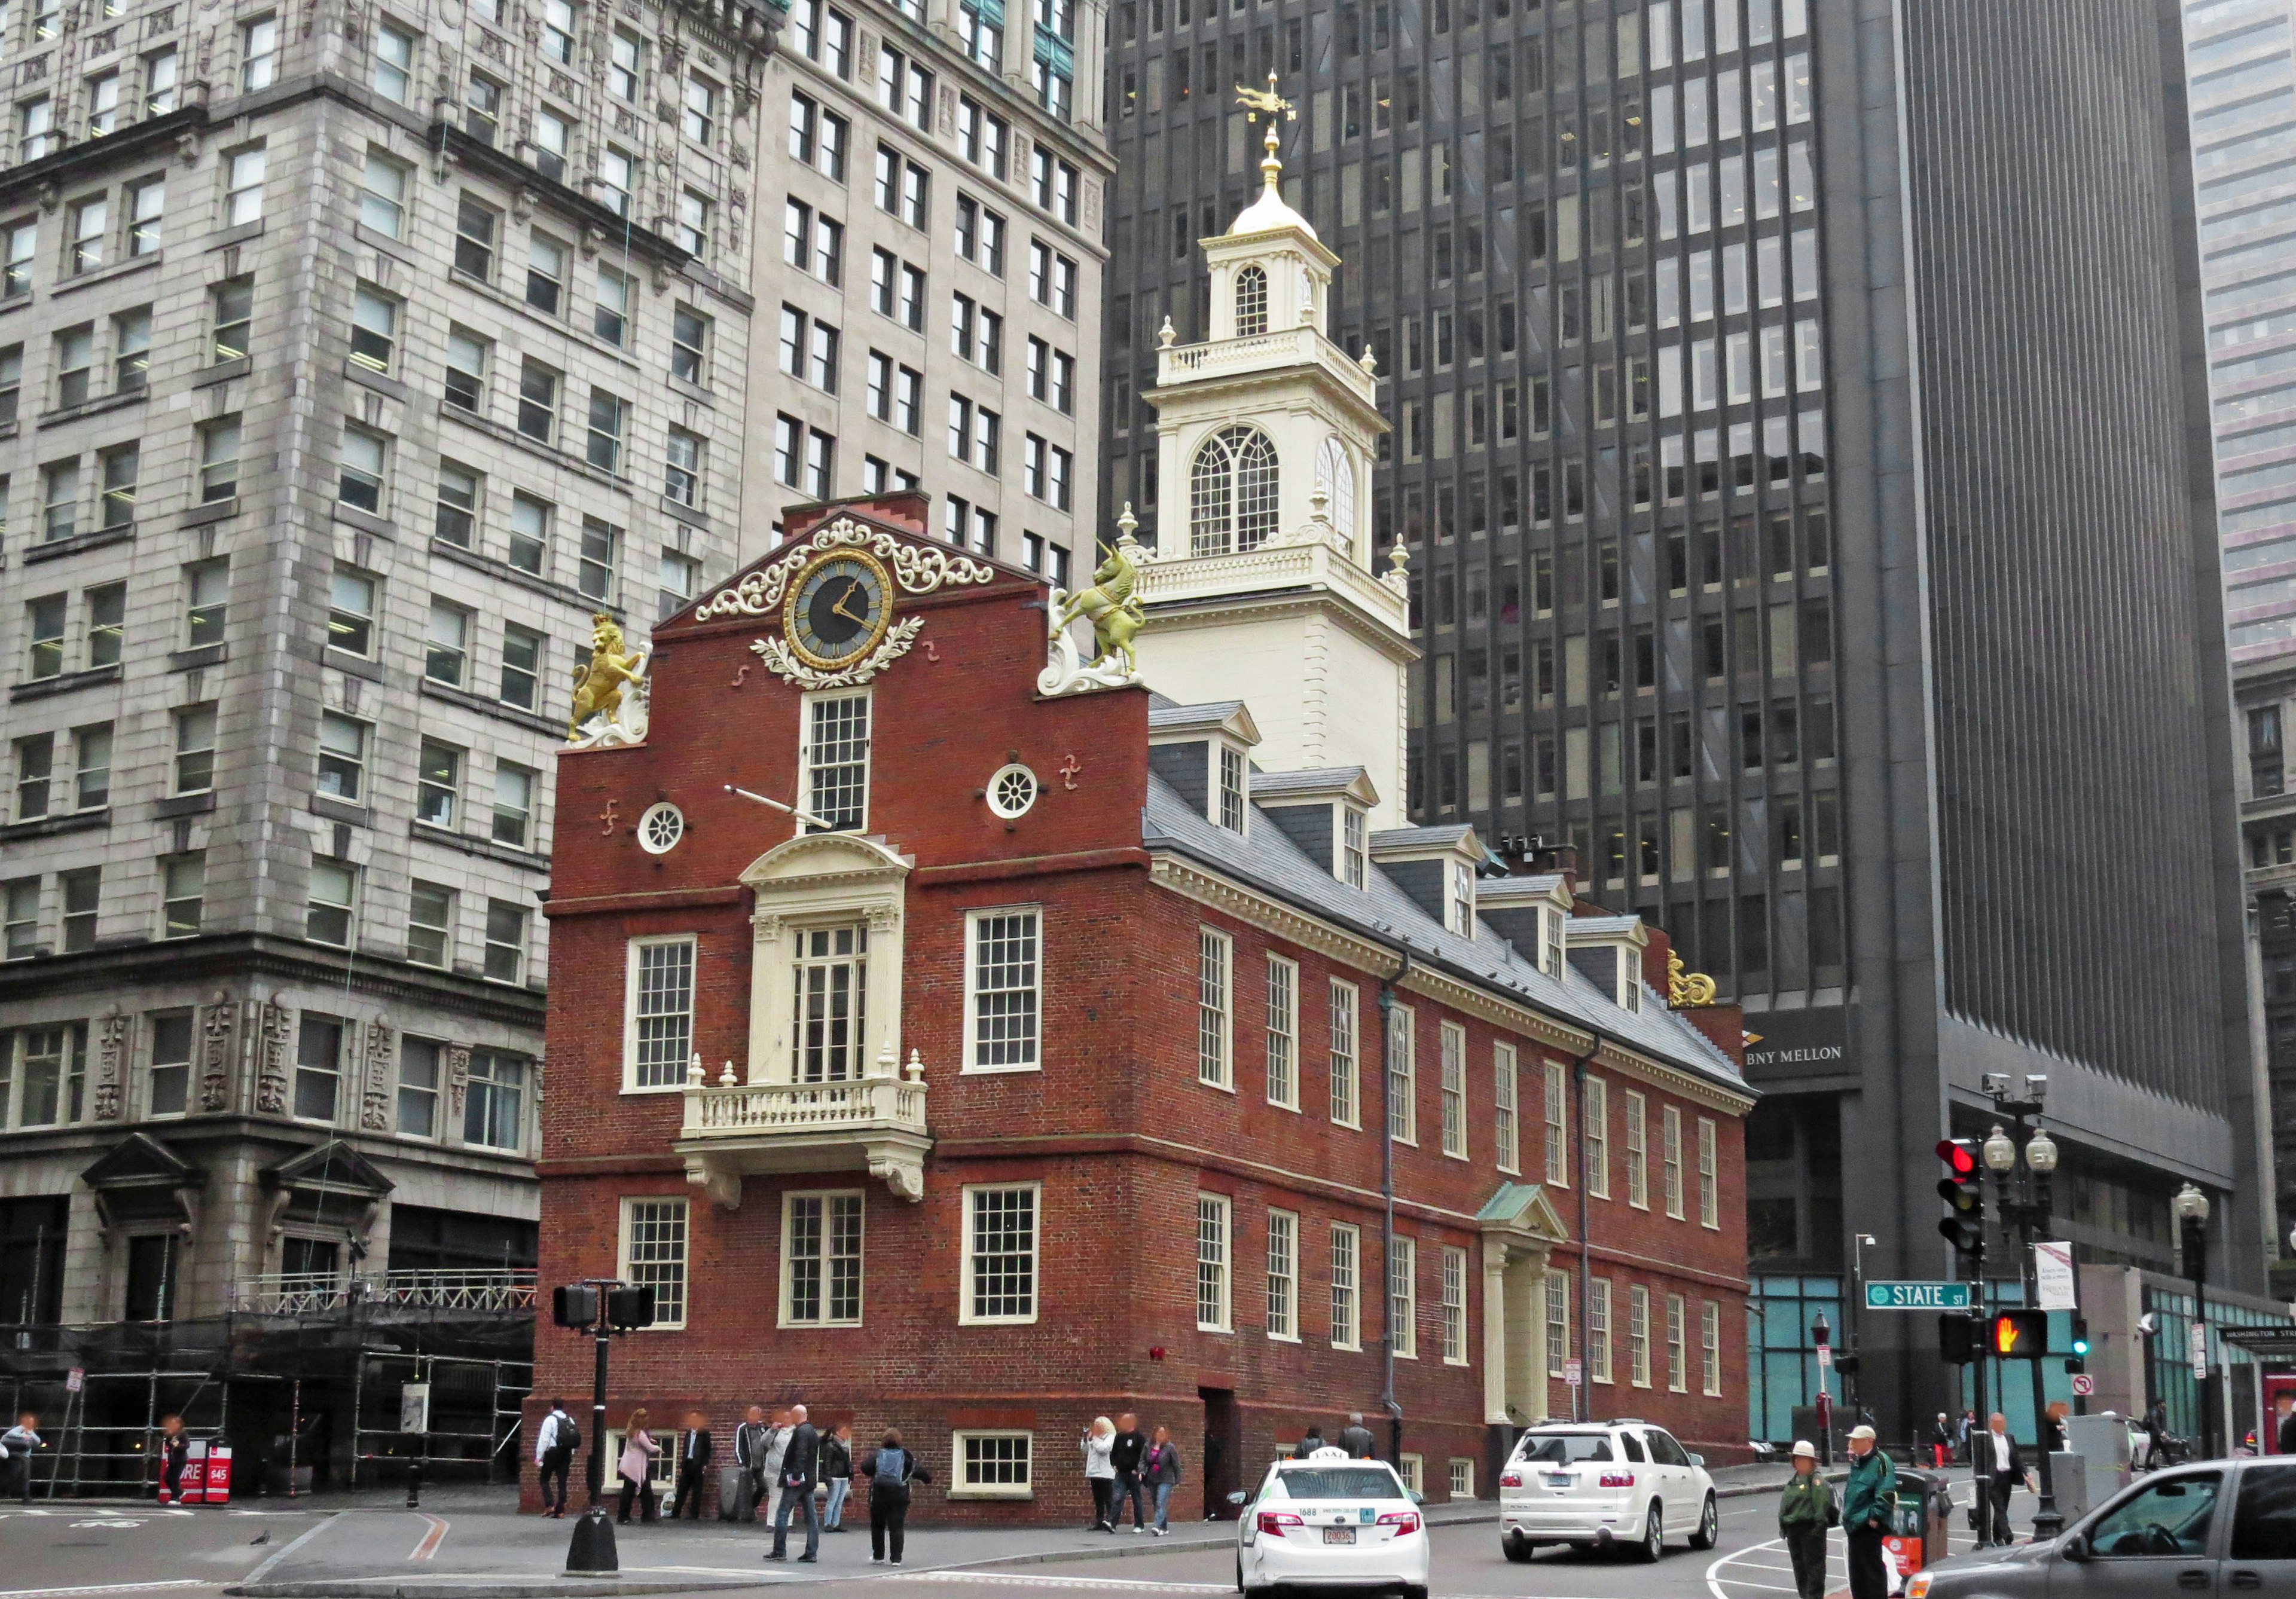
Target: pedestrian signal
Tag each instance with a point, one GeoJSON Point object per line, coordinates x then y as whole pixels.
{"type": "Point", "coordinates": [2018, 1335]}
{"type": "Point", "coordinates": [574, 1305]}
{"type": "Point", "coordinates": [1958, 1338]}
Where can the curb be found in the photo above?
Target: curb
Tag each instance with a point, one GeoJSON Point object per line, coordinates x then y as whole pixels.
{"type": "Point", "coordinates": [494, 1587]}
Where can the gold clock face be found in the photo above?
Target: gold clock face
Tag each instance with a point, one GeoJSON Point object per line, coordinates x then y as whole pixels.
{"type": "Point", "coordinates": [838, 610]}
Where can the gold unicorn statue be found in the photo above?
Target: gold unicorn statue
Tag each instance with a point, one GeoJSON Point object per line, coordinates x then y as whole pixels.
{"type": "Point", "coordinates": [1116, 616]}
{"type": "Point", "coordinates": [598, 685]}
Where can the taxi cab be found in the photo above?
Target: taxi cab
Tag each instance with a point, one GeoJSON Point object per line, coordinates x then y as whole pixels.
{"type": "Point", "coordinates": [1331, 1522]}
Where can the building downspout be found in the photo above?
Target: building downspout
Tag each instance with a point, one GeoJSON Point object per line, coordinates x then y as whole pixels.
{"type": "Point", "coordinates": [1581, 1402]}
{"type": "Point", "coordinates": [1388, 1401]}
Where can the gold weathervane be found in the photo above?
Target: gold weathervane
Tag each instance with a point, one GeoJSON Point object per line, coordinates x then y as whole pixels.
{"type": "Point", "coordinates": [1266, 102]}
{"type": "Point", "coordinates": [1687, 990]}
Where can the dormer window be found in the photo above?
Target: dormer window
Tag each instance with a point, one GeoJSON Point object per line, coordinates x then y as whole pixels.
{"type": "Point", "coordinates": [1354, 850]}
{"type": "Point", "coordinates": [1462, 917]}
{"type": "Point", "coordinates": [1230, 791]}
{"type": "Point", "coordinates": [1251, 302]}
{"type": "Point", "coordinates": [1550, 959]}
{"type": "Point", "coordinates": [1630, 987]}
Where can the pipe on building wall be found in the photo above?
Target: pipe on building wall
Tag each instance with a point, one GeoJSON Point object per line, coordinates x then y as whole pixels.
{"type": "Point", "coordinates": [1388, 1401]}
{"type": "Point", "coordinates": [1580, 1405]}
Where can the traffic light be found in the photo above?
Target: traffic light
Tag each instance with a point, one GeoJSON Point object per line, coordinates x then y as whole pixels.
{"type": "Point", "coordinates": [2077, 1358]}
{"type": "Point", "coordinates": [1958, 1337]}
{"type": "Point", "coordinates": [574, 1305]}
{"type": "Point", "coordinates": [628, 1308]}
{"type": "Point", "coordinates": [1963, 1189]}
{"type": "Point", "coordinates": [2018, 1335]}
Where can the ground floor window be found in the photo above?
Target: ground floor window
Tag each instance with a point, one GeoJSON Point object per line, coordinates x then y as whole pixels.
{"type": "Point", "coordinates": [1462, 1479]}
{"type": "Point", "coordinates": [992, 1465]}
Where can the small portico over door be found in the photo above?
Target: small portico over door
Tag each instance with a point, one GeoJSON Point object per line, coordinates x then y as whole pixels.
{"type": "Point", "coordinates": [1519, 1227]}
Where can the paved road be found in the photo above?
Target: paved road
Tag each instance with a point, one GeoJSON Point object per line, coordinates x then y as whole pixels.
{"type": "Point", "coordinates": [78, 1549]}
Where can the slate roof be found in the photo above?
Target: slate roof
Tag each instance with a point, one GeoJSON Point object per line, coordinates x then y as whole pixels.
{"type": "Point", "coordinates": [1332, 780]}
{"type": "Point", "coordinates": [1267, 860]}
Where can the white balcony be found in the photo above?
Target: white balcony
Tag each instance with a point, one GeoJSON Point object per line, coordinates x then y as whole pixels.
{"type": "Point", "coordinates": [1264, 352]}
{"type": "Point", "coordinates": [875, 1123]}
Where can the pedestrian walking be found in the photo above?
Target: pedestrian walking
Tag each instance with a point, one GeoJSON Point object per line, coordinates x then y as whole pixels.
{"type": "Point", "coordinates": [837, 1470]}
{"type": "Point", "coordinates": [776, 1445]}
{"type": "Point", "coordinates": [890, 1471]}
{"type": "Point", "coordinates": [554, 1443]}
{"type": "Point", "coordinates": [1312, 1441]}
{"type": "Point", "coordinates": [1941, 1441]}
{"type": "Point", "coordinates": [175, 1450]}
{"type": "Point", "coordinates": [1099, 1445]}
{"type": "Point", "coordinates": [1967, 1428]}
{"type": "Point", "coordinates": [801, 1470]}
{"type": "Point", "coordinates": [1868, 1500]}
{"type": "Point", "coordinates": [638, 1453]}
{"type": "Point", "coordinates": [750, 1456]}
{"type": "Point", "coordinates": [1125, 1454]}
{"type": "Point", "coordinates": [692, 1465]}
{"type": "Point", "coordinates": [1805, 1510]}
{"type": "Point", "coordinates": [1162, 1469]}
{"type": "Point", "coordinates": [2004, 1468]}
{"type": "Point", "coordinates": [19, 1440]}
{"type": "Point", "coordinates": [1356, 1437]}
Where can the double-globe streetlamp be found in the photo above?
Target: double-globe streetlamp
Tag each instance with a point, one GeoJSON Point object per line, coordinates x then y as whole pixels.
{"type": "Point", "coordinates": [2029, 1210]}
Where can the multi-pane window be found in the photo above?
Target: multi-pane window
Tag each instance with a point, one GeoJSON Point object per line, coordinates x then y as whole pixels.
{"type": "Point", "coordinates": [50, 1075]}
{"type": "Point", "coordinates": [689, 342]}
{"type": "Point", "coordinates": [659, 1034]}
{"type": "Point", "coordinates": [692, 229]}
{"type": "Point", "coordinates": [653, 1234]}
{"type": "Point", "coordinates": [1005, 1015]}
{"type": "Point", "coordinates": [429, 924]}
{"type": "Point", "coordinates": [530, 534]}
{"type": "Point", "coordinates": [1710, 1347]}
{"type": "Point", "coordinates": [504, 959]}
{"type": "Point", "coordinates": [821, 1256]}
{"type": "Point", "coordinates": [1229, 774]}
{"type": "Point", "coordinates": [1403, 1297]}
{"type": "Point", "coordinates": [196, 731]}
{"type": "Point", "coordinates": [698, 121]}
{"type": "Point", "coordinates": [383, 195]}
{"type": "Point", "coordinates": [1347, 1266]}
{"type": "Point", "coordinates": [1638, 1152]}
{"type": "Point", "coordinates": [107, 622]}
{"type": "Point", "coordinates": [36, 129]}
{"type": "Point", "coordinates": [45, 637]}
{"type": "Point", "coordinates": [146, 203]}
{"type": "Point", "coordinates": [1454, 1305]}
{"type": "Point", "coordinates": [549, 142]}
{"type": "Point", "coordinates": [558, 29]}
{"type": "Point", "coordinates": [20, 919]}
{"type": "Point", "coordinates": [160, 82]}
{"type": "Point", "coordinates": [835, 759]}
{"type": "Point", "coordinates": [182, 894]}
{"type": "Point", "coordinates": [318, 1067]}
{"type": "Point", "coordinates": [829, 976]}
{"type": "Point", "coordinates": [418, 1086]}
{"type": "Point", "coordinates": [375, 328]}
{"type": "Point", "coordinates": [1670, 1159]}
{"type": "Point", "coordinates": [16, 272]}
{"type": "Point", "coordinates": [1000, 1253]}
{"type": "Point", "coordinates": [992, 1465]}
{"type": "Point", "coordinates": [1283, 1032]}
{"type": "Point", "coordinates": [610, 316]}
{"type": "Point", "coordinates": [597, 559]}
{"type": "Point", "coordinates": [624, 53]}
{"type": "Point", "coordinates": [1282, 1275]}
{"type": "Point", "coordinates": [1596, 1132]}
{"type": "Point", "coordinates": [447, 643]}
{"type": "Point", "coordinates": [1213, 1216]}
{"type": "Point", "coordinates": [342, 756]}
{"type": "Point", "coordinates": [359, 481]}
{"type": "Point", "coordinates": [258, 53]}
{"type": "Point", "coordinates": [242, 192]}
{"type": "Point", "coordinates": [1558, 1127]}
{"type": "Point", "coordinates": [83, 896]}
{"type": "Point", "coordinates": [1215, 954]}
{"type": "Point", "coordinates": [1558, 1321]}
{"type": "Point", "coordinates": [608, 414]}
{"type": "Point", "coordinates": [681, 479]}
{"type": "Point", "coordinates": [1402, 1077]}
{"type": "Point", "coordinates": [1677, 1361]}
{"type": "Point", "coordinates": [1455, 1089]}
{"type": "Point", "coordinates": [494, 1106]}
{"type": "Point", "coordinates": [1341, 1054]}
{"type": "Point", "coordinates": [219, 460]}
{"type": "Point", "coordinates": [90, 227]}
{"type": "Point", "coordinates": [1504, 1105]}
{"type": "Point", "coordinates": [167, 1079]}
{"type": "Point", "coordinates": [1638, 1362]}
{"type": "Point", "coordinates": [103, 104]}
{"type": "Point", "coordinates": [521, 667]}
{"type": "Point", "coordinates": [1710, 1213]}
{"type": "Point", "coordinates": [60, 494]}
{"type": "Point", "coordinates": [1598, 1330]}
{"type": "Point", "coordinates": [328, 905]}
{"type": "Point", "coordinates": [458, 498]}
{"type": "Point", "coordinates": [35, 770]}
{"type": "Point", "coordinates": [75, 361]}
{"type": "Point", "coordinates": [513, 812]}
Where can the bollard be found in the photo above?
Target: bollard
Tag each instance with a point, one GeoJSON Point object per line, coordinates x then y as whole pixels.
{"type": "Point", "coordinates": [592, 1552]}
{"type": "Point", "coordinates": [414, 1484]}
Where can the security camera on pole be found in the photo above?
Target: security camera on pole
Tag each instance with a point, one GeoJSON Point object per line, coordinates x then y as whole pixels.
{"type": "Point", "coordinates": [598, 1309]}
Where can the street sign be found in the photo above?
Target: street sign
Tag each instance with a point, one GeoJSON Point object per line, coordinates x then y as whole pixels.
{"type": "Point", "coordinates": [2053, 1277]}
{"type": "Point", "coordinates": [2084, 1385]}
{"type": "Point", "coordinates": [1824, 1357]}
{"type": "Point", "coordinates": [2198, 1340]}
{"type": "Point", "coordinates": [1570, 1371]}
{"type": "Point", "coordinates": [1916, 1296]}
{"type": "Point", "coordinates": [74, 1379]}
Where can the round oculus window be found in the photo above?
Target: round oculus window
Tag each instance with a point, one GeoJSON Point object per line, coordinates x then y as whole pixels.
{"type": "Point", "coordinates": [1012, 791]}
{"type": "Point", "coordinates": [661, 827]}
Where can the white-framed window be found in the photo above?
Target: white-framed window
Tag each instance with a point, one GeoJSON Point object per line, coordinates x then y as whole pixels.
{"type": "Point", "coordinates": [1670, 1159]}
{"type": "Point", "coordinates": [1558, 1321]}
{"type": "Point", "coordinates": [1402, 1077]}
{"type": "Point", "coordinates": [394, 62]}
{"type": "Point", "coordinates": [44, 1076]}
{"type": "Point", "coordinates": [1558, 1125]}
{"type": "Point", "coordinates": [1283, 1032]}
{"type": "Point", "coordinates": [1347, 1278]}
{"type": "Point", "coordinates": [419, 1080]}
{"type": "Point", "coordinates": [1355, 846]}
{"type": "Point", "coordinates": [1346, 1090]}
{"type": "Point", "coordinates": [1004, 1018]}
{"type": "Point", "coordinates": [1214, 1251]}
{"type": "Point", "coordinates": [1709, 1346]}
{"type": "Point", "coordinates": [821, 1259]}
{"type": "Point", "coordinates": [1463, 900]}
{"type": "Point", "coordinates": [329, 908]}
{"type": "Point", "coordinates": [1597, 1135]}
{"type": "Point", "coordinates": [1463, 1478]}
{"type": "Point", "coordinates": [168, 1081]}
{"type": "Point", "coordinates": [1598, 1331]}
{"type": "Point", "coordinates": [1215, 990]}
{"type": "Point", "coordinates": [1283, 1276]}
{"type": "Point", "coordinates": [318, 1067]}
{"type": "Point", "coordinates": [1403, 1297]}
{"type": "Point", "coordinates": [1637, 1150]}
{"type": "Point", "coordinates": [999, 1274]}
{"type": "Point", "coordinates": [494, 1108]}
{"type": "Point", "coordinates": [657, 1012]}
{"type": "Point", "coordinates": [829, 995]}
{"type": "Point", "coordinates": [834, 757]}
{"type": "Point", "coordinates": [1678, 1360]}
{"type": "Point", "coordinates": [1413, 1470]}
{"type": "Point", "coordinates": [1455, 1090]}
{"type": "Point", "coordinates": [990, 1465]}
{"type": "Point", "coordinates": [1709, 1211]}
{"type": "Point", "coordinates": [1638, 1362]}
{"type": "Point", "coordinates": [1454, 1305]}
{"type": "Point", "coordinates": [258, 46]}
{"type": "Point", "coordinates": [653, 1247]}
{"type": "Point", "coordinates": [1505, 1126]}
{"type": "Point", "coordinates": [1229, 785]}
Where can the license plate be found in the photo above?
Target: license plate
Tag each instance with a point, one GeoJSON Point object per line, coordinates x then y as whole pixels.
{"type": "Point", "coordinates": [1559, 1481]}
{"type": "Point", "coordinates": [1339, 1534]}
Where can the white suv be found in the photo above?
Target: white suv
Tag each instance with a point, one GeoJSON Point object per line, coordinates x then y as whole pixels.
{"type": "Point", "coordinates": [1596, 1485]}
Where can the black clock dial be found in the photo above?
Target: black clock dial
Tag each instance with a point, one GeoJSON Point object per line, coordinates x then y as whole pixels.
{"type": "Point", "coordinates": [839, 611]}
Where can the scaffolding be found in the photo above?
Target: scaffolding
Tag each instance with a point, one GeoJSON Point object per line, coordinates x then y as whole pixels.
{"type": "Point", "coordinates": [301, 1377]}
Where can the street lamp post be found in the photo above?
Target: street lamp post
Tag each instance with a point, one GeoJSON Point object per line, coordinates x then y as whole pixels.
{"type": "Point", "coordinates": [2193, 1213]}
{"type": "Point", "coordinates": [1856, 1323]}
{"type": "Point", "coordinates": [2023, 1166]}
{"type": "Point", "coordinates": [1822, 1336]}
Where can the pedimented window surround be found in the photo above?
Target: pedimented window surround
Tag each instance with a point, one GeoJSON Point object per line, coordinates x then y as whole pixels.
{"type": "Point", "coordinates": [825, 880]}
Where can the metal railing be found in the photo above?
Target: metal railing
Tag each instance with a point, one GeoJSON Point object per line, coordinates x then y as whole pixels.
{"type": "Point", "coordinates": [314, 1294]}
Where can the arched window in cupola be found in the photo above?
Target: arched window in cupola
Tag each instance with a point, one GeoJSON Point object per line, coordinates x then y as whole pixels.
{"type": "Point", "coordinates": [1251, 302]}
{"type": "Point", "coordinates": [1232, 492]}
{"type": "Point", "coordinates": [1335, 475]}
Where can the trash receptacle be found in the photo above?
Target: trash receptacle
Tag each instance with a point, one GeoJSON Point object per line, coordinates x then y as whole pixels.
{"type": "Point", "coordinates": [1916, 1535]}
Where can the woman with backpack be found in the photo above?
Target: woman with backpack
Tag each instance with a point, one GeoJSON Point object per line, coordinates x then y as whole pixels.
{"type": "Point", "coordinates": [1160, 1471]}
{"type": "Point", "coordinates": [890, 1471]}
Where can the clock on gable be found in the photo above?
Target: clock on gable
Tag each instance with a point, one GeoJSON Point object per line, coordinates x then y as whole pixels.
{"type": "Point", "coordinates": [838, 607]}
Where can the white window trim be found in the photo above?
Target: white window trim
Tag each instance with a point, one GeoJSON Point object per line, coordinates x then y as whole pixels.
{"type": "Point", "coordinates": [1277, 963]}
{"type": "Point", "coordinates": [1354, 1341]}
{"type": "Point", "coordinates": [1403, 1025]}
{"type": "Point", "coordinates": [622, 1251]}
{"type": "Point", "coordinates": [1453, 1069]}
{"type": "Point", "coordinates": [1294, 1276]}
{"type": "Point", "coordinates": [1671, 1160]}
{"type": "Point", "coordinates": [1504, 1063]}
{"type": "Point", "coordinates": [964, 1316]}
{"type": "Point", "coordinates": [972, 920]}
{"type": "Point", "coordinates": [1452, 1256]}
{"type": "Point", "coordinates": [1405, 1329]}
{"type": "Point", "coordinates": [1601, 1309]}
{"type": "Point", "coordinates": [805, 703]}
{"type": "Point", "coordinates": [957, 1487]}
{"type": "Point", "coordinates": [1355, 1053]}
{"type": "Point", "coordinates": [1594, 1136]}
{"type": "Point", "coordinates": [1457, 1460]}
{"type": "Point", "coordinates": [1225, 1082]}
{"type": "Point", "coordinates": [822, 880]}
{"type": "Point", "coordinates": [789, 1259]}
{"type": "Point", "coordinates": [630, 1084]}
{"type": "Point", "coordinates": [1709, 1175]}
{"type": "Point", "coordinates": [1225, 1208]}
{"type": "Point", "coordinates": [1554, 1129]}
{"type": "Point", "coordinates": [1638, 1135]}
{"type": "Point", "coordinates": [1710, 1353]}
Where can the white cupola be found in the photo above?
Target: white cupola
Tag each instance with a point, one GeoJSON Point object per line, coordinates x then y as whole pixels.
{"type": "Point", "coordinates": [1264, 581]}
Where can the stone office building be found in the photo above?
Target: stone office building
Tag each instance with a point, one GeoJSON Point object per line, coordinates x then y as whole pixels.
{"type": "Point", "coordinates": [356, 357]}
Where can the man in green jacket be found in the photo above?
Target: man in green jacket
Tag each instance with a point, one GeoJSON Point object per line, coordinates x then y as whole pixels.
{"type": "Point", "coordinates": [1805, 1510]}
{"type": "Point", "coordinates": [1866, 1502]}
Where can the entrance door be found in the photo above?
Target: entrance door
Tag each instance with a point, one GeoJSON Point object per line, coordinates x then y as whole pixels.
{"type": "Point", "coordinates": [1223, 1451]}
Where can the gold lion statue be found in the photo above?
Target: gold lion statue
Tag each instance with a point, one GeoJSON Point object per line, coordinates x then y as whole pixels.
{"type": "Point", "coordinates": [598, 685]}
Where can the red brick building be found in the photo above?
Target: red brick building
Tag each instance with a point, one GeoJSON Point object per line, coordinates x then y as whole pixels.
{"type": "Point", "coordinates": [1050, 1080]}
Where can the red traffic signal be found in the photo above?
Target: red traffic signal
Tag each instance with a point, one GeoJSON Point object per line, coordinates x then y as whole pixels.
{"type": "Point", "coordinates": [1960, 1156]}
{"type": "Point", "coordinates": [2018, 1335]}
{"type": "Point", "coordinates": [1963, 1191]}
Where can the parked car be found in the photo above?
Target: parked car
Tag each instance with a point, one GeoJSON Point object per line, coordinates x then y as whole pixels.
{"type": "Point", "coordinates": [1601, 1485]}
{"type": "Point", "coordinates": [1331, 1522]}
{"type": "Point", "coordinates": [2221, 1526]}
